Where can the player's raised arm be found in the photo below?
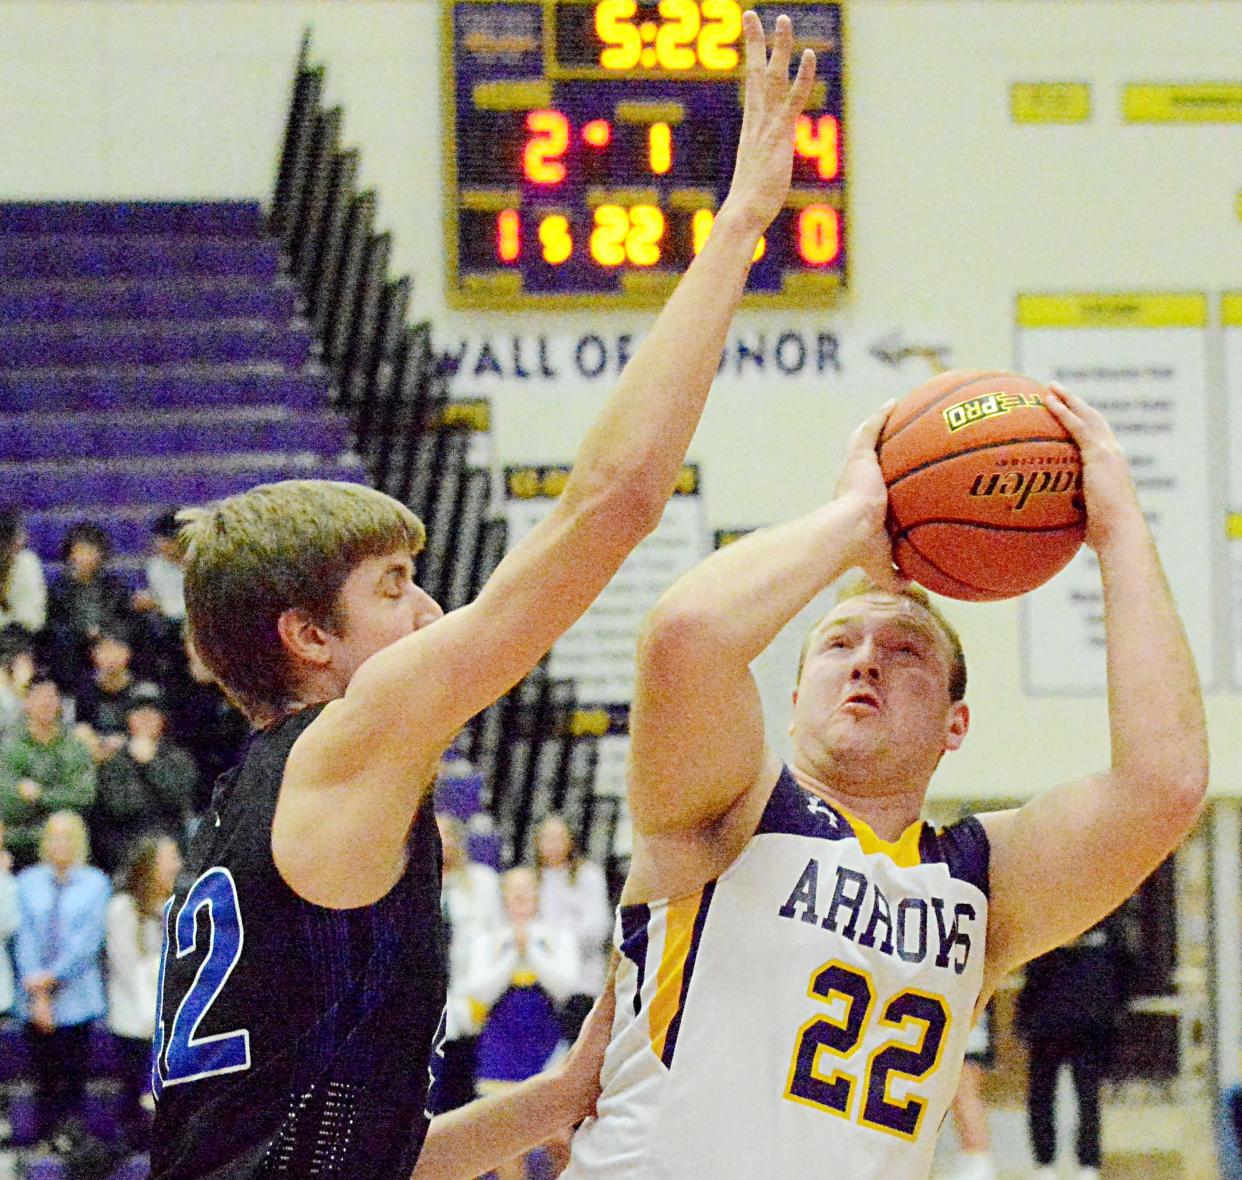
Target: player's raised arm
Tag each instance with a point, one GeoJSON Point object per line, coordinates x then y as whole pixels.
{"type": "Point", "coordinates": [1069, 856]}
{"type": "Point", "coordinates": [697, 725]}
{"type": "Point", "coordinates": [405, 702]}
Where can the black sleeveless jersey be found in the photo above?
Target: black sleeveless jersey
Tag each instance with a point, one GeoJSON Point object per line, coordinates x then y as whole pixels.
{"type": "Point", "coordinates": [292, 1040]}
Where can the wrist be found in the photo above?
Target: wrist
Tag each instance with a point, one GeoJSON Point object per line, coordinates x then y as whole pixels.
{"type": "Point", "coordinates": [736, 227]}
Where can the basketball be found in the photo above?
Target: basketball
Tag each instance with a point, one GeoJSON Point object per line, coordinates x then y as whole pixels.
{"type": "Point", "coordinates": [984, 486]}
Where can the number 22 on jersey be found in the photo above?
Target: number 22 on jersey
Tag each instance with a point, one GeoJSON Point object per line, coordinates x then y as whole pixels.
{"type": "Point", "coordinates": [179, 1055]}
{"type": "Point", "coordinates": [840, 1037]}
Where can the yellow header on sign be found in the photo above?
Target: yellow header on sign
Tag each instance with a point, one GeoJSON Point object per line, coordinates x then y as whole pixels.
{"type": "Point", "coordinates": [1050, 102]}
{"type": "Point", "coordinates": [1233, 526]}
{"type": "Point", "coordinates": [1122, 310]}
{"type": "Point", "coordinates": [1231, 309]}
{"type": "Point", "coordinates": [1203, 102]}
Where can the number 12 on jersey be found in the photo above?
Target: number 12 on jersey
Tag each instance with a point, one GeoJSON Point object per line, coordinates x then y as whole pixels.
{"type": "Point", "coordinates": [841, 1036]}
{"type": "Point", "coordinates": [179, 1055]}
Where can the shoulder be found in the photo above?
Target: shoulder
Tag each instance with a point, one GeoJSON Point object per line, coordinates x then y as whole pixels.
{"type": "Point", "coordinates": [96, 879]}
{"type": "Point", "coordinates": [963, 848]}
{"type": "Point", "coordinates": [122, 905]}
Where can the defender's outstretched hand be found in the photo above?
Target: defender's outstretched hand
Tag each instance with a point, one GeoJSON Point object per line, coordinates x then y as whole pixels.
{"type": "Point", "coordinates": [765, 147]}
{"type": "Point", "coordinates": [1107, 486]}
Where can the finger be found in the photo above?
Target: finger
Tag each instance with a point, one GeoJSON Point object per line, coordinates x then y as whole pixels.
{"type": "Point", "coordinates": [800, 94]}
{"type": "Point", "coordinates": [756, 50]}
{"type": "Point", "coordinates": [782, 47]}
{"type": "Point", "coordinates": [867, 434]}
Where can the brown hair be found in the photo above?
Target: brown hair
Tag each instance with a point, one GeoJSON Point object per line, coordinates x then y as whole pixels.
{"type": "Point", "coordinates": [861, 585]}
{"type": "Point", "coordinates": [277, 547]}
{"type": "Point", "coordinates": [573, 862]}
{"type": "Point", "coordinates": [138, 879]}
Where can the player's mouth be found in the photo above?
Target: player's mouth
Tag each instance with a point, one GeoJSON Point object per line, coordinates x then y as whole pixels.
{"type": "Point", "coordinates": [862, 702]}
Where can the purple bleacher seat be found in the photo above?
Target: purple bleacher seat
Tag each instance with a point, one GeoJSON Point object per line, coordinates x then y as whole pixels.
{"type": "Point", "coordinates": [47, 1167]}
{"type": "Point", "coordinates": [52, 300]}
{"type": "Point", "coordinates": [52, 391]}
{"type": "Point", "coordinates": [100, 1110]}
{"type": "Point", "coordinates": [41, 437]}
{"type": "Point", "coordinates": [137, 1167]}
{"type": "Point", "coordinates": [183, 481]}
{"type": "Point", "coordinates": [242, 218]}
{"type": "Point", "coordinates": [23, 1115]}
{"type": "Point", "coordinates": [94, 342]}
{"type": "Point", "coordinates": [484, 848]}
{"type": "Point", "coordinates": [99, 256]}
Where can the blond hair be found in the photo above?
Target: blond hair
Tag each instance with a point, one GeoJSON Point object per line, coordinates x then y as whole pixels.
{"type": "Point", "coordinates": [280, 546]}
{"type": "Point", "coordinates": [77, 827]}
{"type": "Point", "coordinates": [861, 585]}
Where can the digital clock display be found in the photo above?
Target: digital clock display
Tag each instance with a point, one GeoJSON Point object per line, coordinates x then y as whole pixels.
{"type": "Point", "coordinates": [590, 144]}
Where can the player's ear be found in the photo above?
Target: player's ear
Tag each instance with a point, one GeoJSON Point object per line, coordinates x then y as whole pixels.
{"type": "Point", "coordinates": [791, 720]}
{"type": "Point", "coordinates": [959, 723]}
{"type": "Point", "coordinates": [302, 638]}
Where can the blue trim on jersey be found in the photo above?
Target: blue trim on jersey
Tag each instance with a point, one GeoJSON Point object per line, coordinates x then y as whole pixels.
{"type": "Point", "coordinates": [635, 921]}
{"type": "Point", "coordinates": [964, 849]}
{"type": "Point", "coordinates": [700, 920]}
{"type": "Point", "coordinates": [792, 810]}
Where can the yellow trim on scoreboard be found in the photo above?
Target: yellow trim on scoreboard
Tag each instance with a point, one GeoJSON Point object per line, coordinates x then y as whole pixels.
{"type": "Point", "coordinates": [816, 102]}
{"type": "Point", "coordinates": [489, 199]}
{"type": "Point", "coordinates": [651, 112]}
{"type": "Point", "coordinates": [626, 197]}
{"type": "Point", "coordinates": [1231, 309]}
{"type": "Point", "coordinates": [1200, 102]}
{"type": "Point", "coordinates": [512, 96]}
{"type": "Point", "coordinates": [1233, 526]}
{"type": "Point", "coordinates": [800, 198]}
{"type": "Point", "coordinates": [811, 286]}
{"type": "Point", "coordinates": [498, 283]}
{"type": "Point", "coordinates": [692, 199]}
{"type": "Point", "coordinates": [1050, 102]}
{"type": "Point", "coordinates": [648, 282]}
{"type": "Point", "coordinates": [473, 413]}
{"type": "Point", "coordinates": [1113, 310]}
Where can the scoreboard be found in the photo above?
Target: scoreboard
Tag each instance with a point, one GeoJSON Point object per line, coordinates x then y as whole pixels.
{"type": "Point", "coordinates": [589, 144]}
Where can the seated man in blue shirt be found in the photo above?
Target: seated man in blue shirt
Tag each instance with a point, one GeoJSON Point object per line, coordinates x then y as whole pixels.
{"type": "Point", "coordinates": [62, 905]}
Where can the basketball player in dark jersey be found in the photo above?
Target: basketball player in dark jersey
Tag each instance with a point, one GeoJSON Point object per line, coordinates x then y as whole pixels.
{"type": "Point", "coordinates": [303, 974]}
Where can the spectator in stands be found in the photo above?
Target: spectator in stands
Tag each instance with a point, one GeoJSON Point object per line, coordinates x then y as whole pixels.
{"type": "Point", "coordinates": [165, 589]}
{"type": "Point", "coordinates": [1069, 1011]}
{"type": "Point", "coordinates": [103, 697]}
{"type": "Point", "coordinates": [160, 604]}
{"type": "Point", "coordinates": [8, 925]}
{"type": "Point", "coordinates": [135, 937]}
{"type": "Point", "coordinates": [574, 894]}
{"type": "Point", "coordinates": [521, 973]}
{"type": "Point", "coordinates": [23, 591]}
{"type": "Point", "coordinates": [146, 788]}
{"type": "Point", "coordinates": [17, 666]}
{"type": "Point", "coordinates": [63, 905]}
{"type": "Point", "coordinates": [45, 769]}
{"type": "Point", "coordinates": [83, 601]}
{"type": "Point", "coordinates": [470, 902]}
{"type": "Point", "coordinates": [970, 1112]}
{"type": "Point", "coordinates": [204, 723]}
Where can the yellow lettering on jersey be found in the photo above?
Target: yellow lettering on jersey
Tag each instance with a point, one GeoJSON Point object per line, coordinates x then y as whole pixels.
{"type": "Point", "coordinates": [678, 934]}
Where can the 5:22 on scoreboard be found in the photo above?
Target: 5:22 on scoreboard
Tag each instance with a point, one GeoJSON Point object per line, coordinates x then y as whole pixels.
{"type": "Point", "coordinates": [590, 144]}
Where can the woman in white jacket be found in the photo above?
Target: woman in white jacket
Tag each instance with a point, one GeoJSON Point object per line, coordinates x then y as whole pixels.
{"type": "Point", "coordinates": [135, 937]}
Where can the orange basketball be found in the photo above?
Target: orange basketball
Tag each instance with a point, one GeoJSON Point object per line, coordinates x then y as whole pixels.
{"type": "Point", "coordinates": [984, 486]}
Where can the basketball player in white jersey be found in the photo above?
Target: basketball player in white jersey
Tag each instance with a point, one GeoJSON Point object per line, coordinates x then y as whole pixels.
{"type": "Point", "coordinates": [801, 958]}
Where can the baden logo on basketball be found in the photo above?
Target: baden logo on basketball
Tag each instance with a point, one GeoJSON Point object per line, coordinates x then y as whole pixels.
{"type": "Point", "coordinates": [1022, 485]}
{"type": "Point", "coordinates": [987, 405]}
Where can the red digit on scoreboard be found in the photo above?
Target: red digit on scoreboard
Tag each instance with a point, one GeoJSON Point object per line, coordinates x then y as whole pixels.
{"type": "Point", "coordinates": [819, 235]}
{"type": "Point", "coordinates": [508, 236]}
{"type": "Point", "coordinates": [818, 140]}
{"type": "Point", "coordinates": [541, 158]}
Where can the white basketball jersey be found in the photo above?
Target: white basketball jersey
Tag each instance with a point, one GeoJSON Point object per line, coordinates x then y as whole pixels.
{"type": "Point", "coordinates": [805, 1014]}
